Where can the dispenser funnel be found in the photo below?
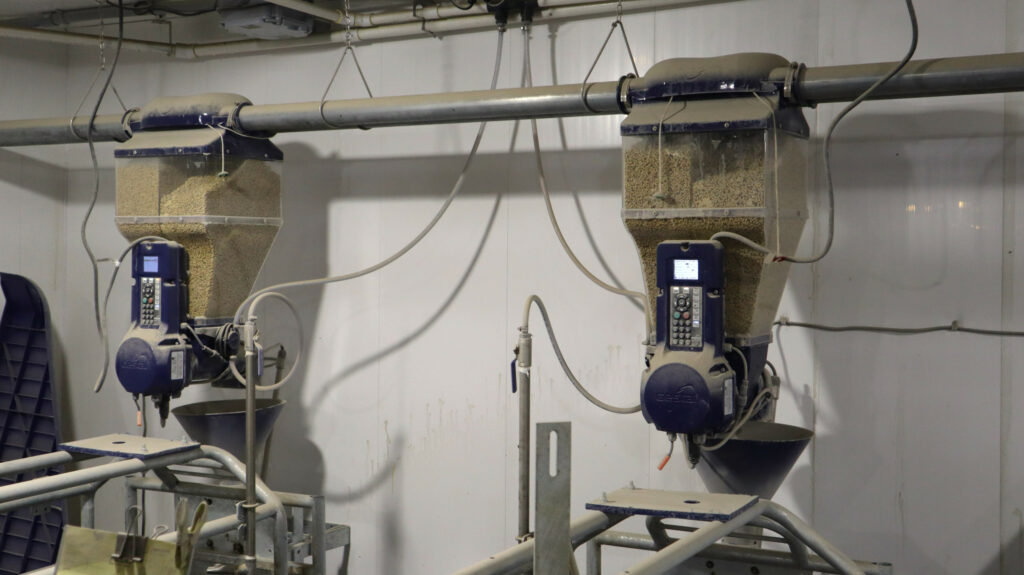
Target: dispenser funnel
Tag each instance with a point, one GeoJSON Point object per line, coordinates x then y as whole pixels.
{"type": "Point", "coordinates": [222, 423]}
{"type": "Point", "coordinates": [755, 461]}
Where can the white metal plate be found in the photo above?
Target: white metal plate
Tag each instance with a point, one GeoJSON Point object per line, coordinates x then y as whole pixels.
{"type": "Point", "coordinates": [129, 446]}
{"type": "Point", "coordinates": [675, 504]}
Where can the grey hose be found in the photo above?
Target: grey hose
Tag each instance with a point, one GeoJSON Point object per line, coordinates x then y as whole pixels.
{"type": "Point", "coordinates": [533, 299]}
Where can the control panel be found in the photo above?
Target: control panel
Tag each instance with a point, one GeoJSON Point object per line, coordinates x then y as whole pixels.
{"type": "Point", "coordinates": [160, 271]}
{"type": "Point", "coordinates": [685, 318]}
{"type": "Point", "coordinates": [690, 303]}
{"type": "Point", "coordinates": [149, 304]}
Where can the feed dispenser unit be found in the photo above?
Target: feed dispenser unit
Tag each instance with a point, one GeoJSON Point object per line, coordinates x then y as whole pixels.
{"type": "Point", "coordinates": [204, 199]}
{"type": "Point", "coordinates": [186, 176]}
{"type": "Point", "coordinates": [709, 147]}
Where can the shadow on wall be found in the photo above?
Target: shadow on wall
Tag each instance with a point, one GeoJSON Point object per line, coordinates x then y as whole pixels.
{"type": "Point", "coordinates": [30, 174]}
{"type": "Point", "coordinates": [404, 177]}
{"type": "Point", "coordinates": [875, 443]}
{"type": "Point", "coordinates": [311, 184]}
{"type": "Point", "coordinates": [290, 258]}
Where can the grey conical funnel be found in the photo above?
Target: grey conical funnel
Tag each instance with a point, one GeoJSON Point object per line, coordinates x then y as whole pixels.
{"type": "Point", "coordinates": [222, 423]}
{"type": "Point", "coordinates": [755, 461]}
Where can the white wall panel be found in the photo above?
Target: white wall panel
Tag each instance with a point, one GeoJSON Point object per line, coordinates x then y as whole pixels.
{"type": "Point", "coordinates": [403, 416]}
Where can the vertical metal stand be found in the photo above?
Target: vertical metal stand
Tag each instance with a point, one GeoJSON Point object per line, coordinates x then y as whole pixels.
{"type": "Point", "coordinates": [552, 553]}
{"type": "Point", "coordinates": [251, 367]}
{"type": "Point", "coordinates": [524, 355]}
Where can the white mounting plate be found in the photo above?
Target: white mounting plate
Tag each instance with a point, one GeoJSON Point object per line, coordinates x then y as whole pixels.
{"type": "Point", "coordinates": [675, 504]}
{"type": "Point", "coordinates": [128, 446]}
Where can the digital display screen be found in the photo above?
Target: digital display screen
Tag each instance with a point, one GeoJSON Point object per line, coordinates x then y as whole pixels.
{"type": "Point", "coordinates": [150, 264]}
{"type": "Point", "coordinates": [685, 270]}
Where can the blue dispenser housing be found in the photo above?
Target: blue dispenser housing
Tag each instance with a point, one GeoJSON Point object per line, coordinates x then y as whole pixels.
{"type": "Point", "coordinates": [155, 356]}
{"type": "Point", "coordinates": [689, 386]}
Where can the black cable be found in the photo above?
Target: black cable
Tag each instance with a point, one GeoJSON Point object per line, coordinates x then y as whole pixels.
{"type": "Point", "coordinates": [952, 327]}
{"type": "Point", "coordinates": [469, 5]}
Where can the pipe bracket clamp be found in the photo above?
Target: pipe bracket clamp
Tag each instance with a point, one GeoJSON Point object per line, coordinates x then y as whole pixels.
{"type": "Point", "coordinates": [622, 93]}
{"type": "Point", "coordinates": [789, 86]}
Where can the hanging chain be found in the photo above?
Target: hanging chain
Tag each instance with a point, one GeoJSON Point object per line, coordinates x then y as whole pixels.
{"type": "Point", "coordinates": [349, 20]}
{"type": "Point", "coordinates": [349, 49]}
{"type": "Point", "coordinates": [625, 39]}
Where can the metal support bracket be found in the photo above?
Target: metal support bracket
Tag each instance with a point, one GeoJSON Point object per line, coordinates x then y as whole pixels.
{"type": "Point", "coordinates": [552, 552]}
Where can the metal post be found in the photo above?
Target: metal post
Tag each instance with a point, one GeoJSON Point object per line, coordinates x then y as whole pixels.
{"type": "Point", "coordinates": [251, 365]}
{"type": "Point", "coordinates": [88, 504]}
{"type": "Point", "coordinates": [524, 354]}
{"type": "Point", "coordinates": [593, 557]}
{"type": "Point", "coordinates": [552, 552]}
{"type": "Point", "coordinates": [318, 547]}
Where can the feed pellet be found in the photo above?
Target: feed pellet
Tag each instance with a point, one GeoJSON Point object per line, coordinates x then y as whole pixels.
{"type": "Point", "coordinates": [224, 258]}
{"type": "Point", "coordinates": [714, 171]}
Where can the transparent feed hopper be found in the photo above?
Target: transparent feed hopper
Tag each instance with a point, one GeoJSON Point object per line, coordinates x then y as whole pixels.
{"type": "Point", "coordinates": [699, 167]}
{"type": "Point", "coordinates": [224, 208]}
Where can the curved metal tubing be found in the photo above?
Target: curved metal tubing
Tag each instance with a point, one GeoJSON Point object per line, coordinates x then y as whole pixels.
{"type": "Point", "coordinates": [812, 539]}
{"type": "Point", "coordinates": [89, 475]}
{"type": "Point", "coordinates": [677, 553]}
{"type": "Point", "coordinates": [16, 466]}
{"type": "Point", "coordinates": [519, 559]}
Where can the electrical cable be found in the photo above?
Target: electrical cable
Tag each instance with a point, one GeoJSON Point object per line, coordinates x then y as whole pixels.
{"type": "Point", "coordinates": [755, 407]}
{"type": "Point", "coordinates": [185, 326]}
{"type": "Point", "coordinates": [469, 5]}
{"type": "Point", "coordinates": [412, 243]}
{"type": "Point", "coordinates": [100, 321]}
{"type": "Point", "coordinates": [533, 299]}
{"type": "Point", "coordinates": [952, 327]}
{"type": "Point", "coordinates": [301, 347]}
{"type": "Point", "coordinates": [827, 158]}
{"type": "Point", "coordinates": [542, 179]}
{"type": "Point", "coordinates": [745, 384]}
{"type": "Point", "coordinates": [672, 447]}
{"type": "Point", "coordinates": [104, 335]}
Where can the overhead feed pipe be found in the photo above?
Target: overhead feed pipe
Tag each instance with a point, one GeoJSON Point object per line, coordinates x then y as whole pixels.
{"type": "Point", "coordinates": [963, 75]}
